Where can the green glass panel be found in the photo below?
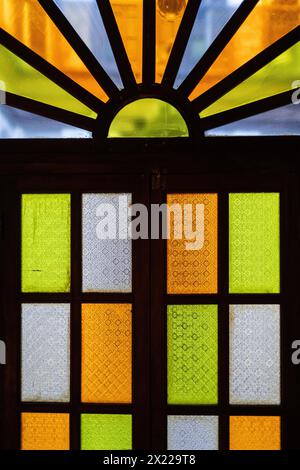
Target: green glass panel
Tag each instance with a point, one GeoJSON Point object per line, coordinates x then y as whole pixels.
{"type": "Point", "coordinates": [193, 354]}
{"type": "Point", "coordinates": [22, 79]}
{"type": "Point", "coordinates": [254, 239]}
{"type": "Point", "coordinates": [46, 242]}
{"type": "Point", "coordinates": [276, 77]}
{"type": "Point", "coordinates": [148, 117]}
{"type": "Point", "coordinates": [106, 432]}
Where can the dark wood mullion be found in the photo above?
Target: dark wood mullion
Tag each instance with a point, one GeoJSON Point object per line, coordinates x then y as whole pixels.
{"type": "Point", "coordinates": [224, 298]}
{"type": "Point", "coordinates": [149, 42]}
{"type": "Point", "coordinates": [217, 46]}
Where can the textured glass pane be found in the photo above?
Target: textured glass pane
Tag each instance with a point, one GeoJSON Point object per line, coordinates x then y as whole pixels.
{"type": "Point", "coordinates": [254, 243]}
{"type": "Point", "coordinates": [22, 79]}
{"type": "Point", "coordinates": [255, 354]}
{"type": "Point", "coordinates": [17, 124]}
{"type": "Point", "coordinates": [268, 22]}
{"type": "Point", "coordinates": [280, 121]}
{"type": "Point", "coordinates": [192, 268]}
{"type": "Point", "coordinates": [168, 18]}
{"type": "Point", "coordinates": [106, 262]}
{"type": "Point", "coordinates": [106, 432]}
{"type": "Point", "coordinates": [192, 354]}
{"type": "Point", "coordinates": [276, 77]}
{"type": "Point", "coordinates": [193, 433]}
{"type": "Point", "coordinates": [211, 18]}
{"type": "Point", "coordinates": [46, 242]}
{"type": "Point", "coordinates": [85, 18]}
{"type": "Point", "coordinates": [254, 433]}
{"type": "Point", "coordinates": [129, 17]}
{"type": "Point", "coordinates": [27, 21]}
{"type": "Point", "coordinates": [46, 352]}
{"type": "Point", "coordinates": [106, 353]}
{"type": "Point", "coordinates": [45, 431]}
{"type": "Point", "coordinates": [148, 118]}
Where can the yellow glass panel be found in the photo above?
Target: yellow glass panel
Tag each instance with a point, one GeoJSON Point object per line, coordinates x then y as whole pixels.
{"type": "Point", "coordinates": [268, 22]}
{"type": "Point", "coordinates": [27, 21]}
{"type": "Point", "coordinates": [192, 259]}
{"type": "Point", "coordinates": [169, 14]}
{"type": "Point", "coordinates": [129, 17]}
{"type": "Point", "coordinates": [106, 353]}
{"type": "Point", "coordinates": [255, 433]}
{"type": "Point", "coordinates": [45, 431]}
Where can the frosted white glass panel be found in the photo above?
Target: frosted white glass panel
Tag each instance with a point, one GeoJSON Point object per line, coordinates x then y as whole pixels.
{"type": "Point", "coordinates": [255, 354]}
{"type": "Point", "coordinates": [46, 352]}
{"type": "Point", "coordinates": [193, 433]}
{"type": "Point", "coordinates": [107, 251]}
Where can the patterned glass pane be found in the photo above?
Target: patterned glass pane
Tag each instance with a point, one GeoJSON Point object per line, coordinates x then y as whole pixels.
{"type": "Point", "coordinates": [106, 432]}
{"type": "Point", "coordinates": [85, 18]}
{"type": "Point", "coordinates": [276, 77]}
{"type": "Point", "coordinates": [106, 353]}
{"type": "Point", "coordinates": [168, 18]}
{"type": "Point", "coordinates": [28, 22]}
{"type": "Point", "coordinates": [106, 256]}
{"type": "Point", "coordinates": [129, 16]}
{"type": "Point", "coordinates": [192, 262]}
{"type": "Point", "coordinates": [46, 243]}
{"type": "Point", "coordinates": [148, 118]}
{"type": "Point", "coordinates": [45, 352]}
{"type": "Point", "coordinates": [211, 18]}
{"type": "Point", "coordinates": [193, 433]}
{"type": "Point", "coordinates": [45, 431]}
{"type": "Point", "coordinates": [192, 354]}
{"type": "Point", "coordinates": [255, 433]}
{"type": "Point", "coordinates": [279, 121]}
{"type": "Point", "coordinates": [17, 124]}
{"type": "Point", "coordinates": [268, 22]}
{"type": "Point", "coordinates": [254, 243]}
{"type": "Point", "coordinates": [255, 354]}
{"type": "Point", "coordinates": [23, 80]}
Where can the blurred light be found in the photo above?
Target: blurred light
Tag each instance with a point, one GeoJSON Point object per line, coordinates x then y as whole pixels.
{"type": "Point", "coordinates": [171, 9]}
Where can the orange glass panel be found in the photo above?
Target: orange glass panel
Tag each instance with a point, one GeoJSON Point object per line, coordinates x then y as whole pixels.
{"type": "Point", "coordinates": [255, 433]}
{"type": "Point", "coordinates": [27, 21]}
{"type": "Point", "coordinates": [268, 22]}
{"type": "Point", "coordinates": [169, 14]}
{"type": "Point", "coordinates": [45, 431]}
{"type": "Point", "coordinates": [106, 353]}
{"type": "Point", "coordinates": [129, 17]}
{"type": "Point", "coordinates": [192, 247]}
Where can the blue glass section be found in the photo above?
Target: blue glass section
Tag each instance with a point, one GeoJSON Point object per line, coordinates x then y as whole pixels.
{"type": "Point", "coordinates": [280, 121]}
{"type": "Point", "coordinates": [211, 19]}
{"type": "Point", "coordinates": [85, 18]}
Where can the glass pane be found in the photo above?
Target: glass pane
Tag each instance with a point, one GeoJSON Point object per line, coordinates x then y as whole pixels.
{"type": "Point", "coordinates": [107, 257]}
{"type": "Point", "coordinates": [254, 433]}
{"type": "Point", "coordinates": [280, 121]}
{"type": "Point", "coordinates": [254, 243]}
{"type": "Point", "coordinates": [276, 77]}
{"type": "Point", "coordinates": [268, 22]}
{"type": "Point", "coordinates": [193, 354]}
{"type": "Point", "coordinates": [46, 352]}
{"type": "Point", "coordinates": [45, 431]}
{"type": "Point", "coordinates": [148, 117]}
{"type": "Point", "coordinates": [106, 353]}
{"type": "Point", "coordinates": [46, 242]}
{"type": "Point", "coordinates": [211, 18]}
{"type": "Point", "coordinates": [129, 17]}
{"type": "Point", "coordinates": [192, 259]}
{"type": "Point", "coordinates": [193, 433]}
{"type": "Point", "coordinates": [17, 124]}
{"type": "Point", "coordinates": [85, 18]}
{"type": "Point", "coordinates": [255, 354]}
{"type": "Point", "coordinates": [27, 21]}
{"type": "Point", "coordinates": [22, 79]}
{"type": "Point", "coordinates": [106, 432]}
{"type": "Point", "coordinates": [168, 18]}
